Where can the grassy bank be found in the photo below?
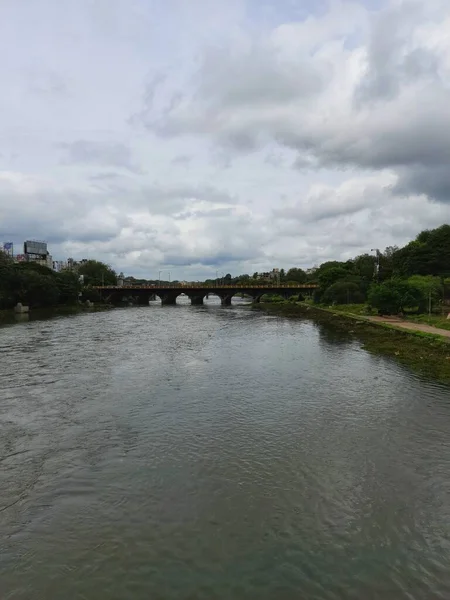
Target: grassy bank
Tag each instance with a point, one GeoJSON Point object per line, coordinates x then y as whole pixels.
{"type": "Point", "coordinates": [426, 354]}
{"type": "Point", "coordinates": [439, 321]}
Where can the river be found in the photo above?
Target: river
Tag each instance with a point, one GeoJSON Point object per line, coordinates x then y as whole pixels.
{"type": "Point", "coordinates": [217, 453]}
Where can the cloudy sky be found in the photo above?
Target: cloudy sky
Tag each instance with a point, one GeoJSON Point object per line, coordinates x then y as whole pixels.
{"type": "Point", "coordinates": [234, 136]}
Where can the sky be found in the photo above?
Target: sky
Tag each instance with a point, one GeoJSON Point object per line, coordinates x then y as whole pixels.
{"type": "Point", "coordinates": [203, 136]}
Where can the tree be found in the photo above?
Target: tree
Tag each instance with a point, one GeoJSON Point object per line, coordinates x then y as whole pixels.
{"type": "Point", "coordinates": [97, 273]}
{"type": "Point", "coordinates": [331, 275]}
{"type": "Point", "coordinates": [7, 281]}
{"type": "Point", "coordinates": [343, 292]}
{"type": "Point", "coordinates": [364, 267]}
{"type": "Point", "coordinates": [428, 254]}
{"type": "Point", "coordinates": [394, 296]}
{"type": "Point", "coordinates": [431, 287]}
{"type": "Point", "coordinates": [69, 287]}
{"type": "Point", "coordinates": [295, 274]}
{"type": "Point", "coordinates": [38, 289]}
{"type": "Point", "coordinates": [387, 263]}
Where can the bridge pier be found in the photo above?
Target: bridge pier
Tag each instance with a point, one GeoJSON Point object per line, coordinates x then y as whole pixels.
{"type": "Point", "coordinates": [196, 299]}
{"type": "Point", "coordinates": [226, 300]}
{"type": "Point", "coordinates": [168, 299]}
{"type": "Point", "coordinates": [142, 300]}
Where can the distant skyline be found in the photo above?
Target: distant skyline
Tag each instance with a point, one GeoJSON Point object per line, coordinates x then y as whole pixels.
{"type": "Point", "coordinates": [234, 136]}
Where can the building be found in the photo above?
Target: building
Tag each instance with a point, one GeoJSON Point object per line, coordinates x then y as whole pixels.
{"type": "Point", "coordinates": [37, 252]}
{"type": "Point", "coordinates": [272, 276]}
{"type": "Point", "coordinates": [59, 265]}
{"type": "Point", "coordinates": [73, 265]}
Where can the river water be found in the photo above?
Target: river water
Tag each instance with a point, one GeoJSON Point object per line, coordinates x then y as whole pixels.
{"type": "Point", "coordinates": [216, 453]}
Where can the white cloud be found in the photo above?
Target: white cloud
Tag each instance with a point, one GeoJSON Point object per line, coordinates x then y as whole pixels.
{"type": "Point", "coordinates": [229, 136]}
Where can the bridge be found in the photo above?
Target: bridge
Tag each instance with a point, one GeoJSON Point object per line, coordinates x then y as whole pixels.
{"type": "Point", "coordinates": [197, 292]}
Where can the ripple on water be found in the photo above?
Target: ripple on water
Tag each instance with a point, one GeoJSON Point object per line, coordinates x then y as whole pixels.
{"type": "Point", "coordinates": [180, 453]}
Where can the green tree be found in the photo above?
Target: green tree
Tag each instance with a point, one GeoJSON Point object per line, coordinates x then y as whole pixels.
{"type": "Point", "coordinates": [331, 275]}
{"type": "Point", "coordinates": [97, 273]}
{"type": "Point", "coordinates": [431, 287]}
{"type": "Point", "coordinates": [395, 296]}
{"type": "Point", "coordinates": [69, 287]}
{"type": "Point", "coordinates": [38, 289]}
{"type": "Point", "coordinates": [364, 267]}
{"type": "Point", "coordinates": [343, 292]}
{"type": "Point", "coordinates": [8, 281]}
{"type": "Point", "coordinates": [296, 274]}
{"type": "Point", "coordinates": [428, 254]}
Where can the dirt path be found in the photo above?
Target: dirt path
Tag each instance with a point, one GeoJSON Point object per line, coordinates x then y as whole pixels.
{"type": "Point", "coordinates": [397, 322]}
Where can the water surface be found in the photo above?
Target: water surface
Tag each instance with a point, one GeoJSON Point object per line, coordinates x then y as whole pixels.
{"type": "Point", "coordinates": [216, 453]}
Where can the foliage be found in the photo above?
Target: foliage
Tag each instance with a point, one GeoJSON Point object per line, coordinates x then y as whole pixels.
{"type": "Point", "coordinates": [35, 285]}
{"type": "Point", "coordinates": [69, 287]}
{"type": "Point", "coordinates": [343, 292]}
{"type": "Point", "coordinates": [394, 296]}
{"type": "Point", "coordinates": [91, 294]}
{"type": "Point", "coordinates": [428, 254]}
{"type": "Point", "coordinates": [97, 273]}
{"type": "Point", "coordinates": [365, 267]}
{"type": "Point", "coordinates": [329, 276]}
{"type": "Point", "coordinates": [296, 275]}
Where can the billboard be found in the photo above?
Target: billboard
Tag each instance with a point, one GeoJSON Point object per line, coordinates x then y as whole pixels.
{"type": "Point", "coordinates": [8, 247]}
{"type": "Point", "coordinates": [32, 247]}
{"type": "Point", "coordinates": [21, 258]}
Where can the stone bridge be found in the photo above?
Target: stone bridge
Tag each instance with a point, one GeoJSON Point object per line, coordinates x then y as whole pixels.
{"type": "Point", "coordinates": [169, 293]}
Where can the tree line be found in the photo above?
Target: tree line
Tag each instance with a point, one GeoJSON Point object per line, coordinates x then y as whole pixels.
{"type": "Point", "coordinates": [38, 286]}
{"type": "Point", "coordinates": [415, 277]}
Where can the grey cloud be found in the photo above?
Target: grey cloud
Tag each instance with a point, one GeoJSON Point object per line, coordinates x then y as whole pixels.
{"type": "Point", "coordinates": [88, 152]}
{"type": "Point", "coordinates": [349, 89]}
{"type": "Point", "coordinates": [393, 116]}
{"type": "Point", "coordinates": [392, 63]}
{"type": "Point", "coordinates": [434, 181]}
{"type": "Point", "coordinates": [45, 81]}
{"type": "Point", "coordinates": [182, 159]}
{"type": "Point", "coordinates": [258, 76]}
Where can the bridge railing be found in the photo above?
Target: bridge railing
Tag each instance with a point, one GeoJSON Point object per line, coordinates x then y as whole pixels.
{"type": "Point", "coordinates": [301, 286]}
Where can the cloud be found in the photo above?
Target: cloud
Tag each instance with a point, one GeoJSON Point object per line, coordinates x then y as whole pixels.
{"type": "Point", "coordinates": [109, 154]}
{"type": "Point", "coordinates": [377, 104]}
{"type": "Point", "coordinates": [233, 136]}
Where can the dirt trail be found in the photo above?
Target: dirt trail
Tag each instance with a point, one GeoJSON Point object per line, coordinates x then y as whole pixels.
{"type": "Point", "coordinates": [397, 322]}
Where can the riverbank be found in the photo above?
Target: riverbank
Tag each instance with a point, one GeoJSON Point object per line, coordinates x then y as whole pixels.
{"type": "Point", "coordinates": [9, 316]}
{"type": "Point", "coordinates": [426, 353]}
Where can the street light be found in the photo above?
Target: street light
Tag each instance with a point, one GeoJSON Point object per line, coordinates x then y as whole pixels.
{"type": "Point", "coordinates": [159, 275]}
